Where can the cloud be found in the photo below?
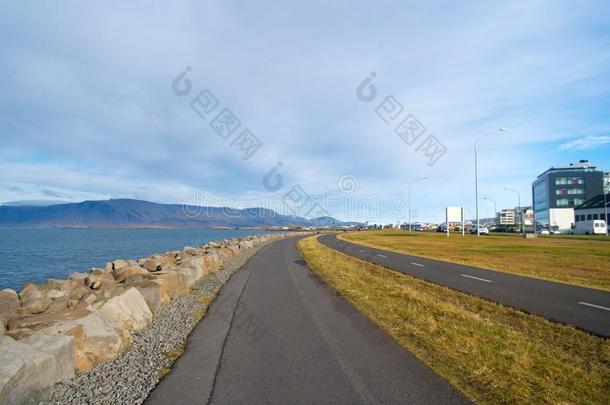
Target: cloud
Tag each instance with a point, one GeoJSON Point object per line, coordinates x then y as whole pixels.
{"type": "Point", "coordinates": [87, 109]}
{"type": "Point", "coordinates": [586, 143]}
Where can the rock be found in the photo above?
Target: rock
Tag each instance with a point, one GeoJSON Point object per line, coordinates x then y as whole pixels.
{"type": "Point", "coordinates": [27, 373]}
{"type": "Point", "coordinates": [127, 311]}
{"type": "Point", "coordinates": [90, 299]}
{"type": "Point", "coordinates": [174, 283]}
{"type": "Point", "coordinates": [155, 295]}
{"type": "Point", "coordinates": [77, 290]}
{"type": "Point", "coordinates": [30, 292]}
{"type": "Point", "coordinates": [95, 339]}
{"type": "Point", "coordinates": [122, 273]}
{"type": "Point", "coordinates": [55, 294]}
{"type": "Point", "coordinates": [37, 306]}
{"type": "Point", "coordinates": [56, 284]}
{"type": "Point", "coordinates": [152, 264]}
{"type": "Point", "coordinates": [58, 305]}
{"type": "Point", "coordinates": [117, 264]}
{"type": "Point", "coordinates": [60, 347]}
{"type": "Point", "coordinates": [9, 305]}
{"type": "Point", "coordinates": [193, 269]}
{"type": "Point", "coordinates": [2, 328]}
{"type": "Point", "coordinates": [78, 276]}
{"type": "Point", "coordinates": [98, 278]}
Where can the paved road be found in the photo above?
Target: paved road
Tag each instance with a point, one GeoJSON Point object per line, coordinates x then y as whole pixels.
{"type": "Point", "coordinates": [277, 334]}
{"type": "Point", "coordinates": [584, 308]}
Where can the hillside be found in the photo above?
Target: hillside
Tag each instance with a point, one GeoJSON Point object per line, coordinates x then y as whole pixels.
{"type": "Point", "coordinates": [138, 213]}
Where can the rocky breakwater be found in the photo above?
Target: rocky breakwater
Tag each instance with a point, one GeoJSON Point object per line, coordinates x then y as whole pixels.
{"type": "Point", "coordinates": [48, 332]}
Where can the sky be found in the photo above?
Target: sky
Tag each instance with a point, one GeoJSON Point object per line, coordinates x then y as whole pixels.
{"type": "Point", "coordinates": [94, 106]}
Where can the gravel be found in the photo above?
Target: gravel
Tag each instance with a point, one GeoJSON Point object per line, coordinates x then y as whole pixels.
{"type": "Point", "coordinates": [129, 378]}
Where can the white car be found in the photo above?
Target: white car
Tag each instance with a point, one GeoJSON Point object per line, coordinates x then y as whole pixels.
{"type": "Point", "coordinates": [545, 232]}
{"type": "Point", "coordinates": [482, 230]}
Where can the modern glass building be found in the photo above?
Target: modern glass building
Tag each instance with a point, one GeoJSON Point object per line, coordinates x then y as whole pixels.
{"type": "Point", "coordinates": [559, 190]}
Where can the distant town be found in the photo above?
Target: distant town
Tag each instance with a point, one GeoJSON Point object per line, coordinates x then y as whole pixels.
{"type": "Point", "coordinates": [569, 199]}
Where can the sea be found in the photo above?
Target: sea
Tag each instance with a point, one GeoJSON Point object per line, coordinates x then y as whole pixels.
{"type": "Point", "coordinates": [35, 255]}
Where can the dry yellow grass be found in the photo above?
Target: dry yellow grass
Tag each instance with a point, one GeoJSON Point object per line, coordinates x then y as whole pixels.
{"type": "Point", "coordinates": [492, 353]}
{"type": "Point", "coordinates": [582, 262]}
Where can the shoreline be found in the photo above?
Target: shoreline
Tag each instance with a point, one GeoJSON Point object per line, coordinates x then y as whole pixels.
{"type": "Point", "coordinates": [66, 329]}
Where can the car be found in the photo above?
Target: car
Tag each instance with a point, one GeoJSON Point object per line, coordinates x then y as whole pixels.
{"type": "Point", "coordinates": [545, 232]}
{"type": "Point", "coordinates": [482, 230]}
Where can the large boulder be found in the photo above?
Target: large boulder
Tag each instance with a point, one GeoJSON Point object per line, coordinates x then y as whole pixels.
{"type": "Point", "coordinates": [9, 305]}
{"type": "Point", "coordinates": [173, 282]}
{"type": "Point", "coordinates": [61, 347]}
{"type": "Point", "coordinates": [28, 371]}
{"type": "Point", "coordinates": [95, 339]}
{"type": "Point", "coordinates": [193, 268]}
{"type": "Point", "coordinates": [98, 278]}
{"type": "Point", "coordinates": [127, 311]}
{"type": "Point", "coordinates": [122, 273]}
{"type": "Point", "coordinates": [151, 264]}
{"type": "Point", "coordinates": [155, 295]}
{"type": "Point", "coordinates": [33, 299]}
{"type": "Point", "coordinates": [117, 264]}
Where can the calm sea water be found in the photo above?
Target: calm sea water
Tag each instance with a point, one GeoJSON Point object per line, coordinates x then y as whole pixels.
{"type": "Point", "coordinates": [34, 255]}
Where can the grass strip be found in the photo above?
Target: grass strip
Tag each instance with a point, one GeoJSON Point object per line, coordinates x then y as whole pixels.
{"type": "Point", "coordinates": [492, 353]}
{"type": "Point", "coordinates": [583, 262]}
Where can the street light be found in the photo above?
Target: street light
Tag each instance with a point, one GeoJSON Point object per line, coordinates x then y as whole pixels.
{"type": "Point", "coordinates": [411, 182]}
{"type": "Point", "coordinates": [606, 212]}
{"type": "Point", "coordinates": [520, 212]}
{"type": "Point", "coordinates": [476, 173]}
{"type": "Point", "coordinates": [495, 207]}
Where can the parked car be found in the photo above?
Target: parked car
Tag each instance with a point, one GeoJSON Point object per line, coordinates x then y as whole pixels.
{"type": "Point", "coordinates": [544, 232]}
{"type": "Point", "coordinates": [482, 230]}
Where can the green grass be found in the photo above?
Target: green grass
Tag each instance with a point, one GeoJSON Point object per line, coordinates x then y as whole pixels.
{"type": "Point", "coordinates": [492, 353]}
{"type": "Point", "coordinates": [575, 260]}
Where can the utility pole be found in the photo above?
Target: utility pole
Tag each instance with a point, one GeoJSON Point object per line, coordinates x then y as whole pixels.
{"type": "Point", "coordinates": [411, 182]}
{"type": "Point", "coordinates": [476, 173]}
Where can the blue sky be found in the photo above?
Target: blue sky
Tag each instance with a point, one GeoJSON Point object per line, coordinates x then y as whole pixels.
{"type": "Point", "coordinates": [88, 112]}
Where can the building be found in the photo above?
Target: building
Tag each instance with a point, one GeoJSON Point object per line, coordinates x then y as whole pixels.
{"type": "Point", "coordinates": [607, 182]}
{"type": "Point", "coordinates": [507, 217]}
{"type": "Point", "coordinates": [559, 190]}
{"type": "Point", "coordinates": [593, 209]}
{"type": "Point", "coordinates": [512, 216]}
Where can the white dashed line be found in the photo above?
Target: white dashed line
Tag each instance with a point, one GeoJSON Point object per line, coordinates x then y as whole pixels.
{"type": "Point", "coordinates": [477, 278]}
{"type": "Point", "coordinates": [418, 264]}
{"type": "Point", "coordinates": [384, 256]}
{"type": "Point", "coordinates": [594, 306]}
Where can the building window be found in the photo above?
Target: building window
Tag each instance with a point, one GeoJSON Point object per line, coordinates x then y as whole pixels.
{"type": "Point", "coordinates": [574, 181]}
{"type": "Point", "coordinates": [578, 201]}
{"type": "Point", "coordinates": [562, 202]}
{"type": "Point", "coordinates": [595, 216]}
{"type": "Point", "coordinates": [589, 217]}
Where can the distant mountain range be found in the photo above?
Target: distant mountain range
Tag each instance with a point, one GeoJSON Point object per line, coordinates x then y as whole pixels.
{"type": "Point", "coordinates": [127, 213]}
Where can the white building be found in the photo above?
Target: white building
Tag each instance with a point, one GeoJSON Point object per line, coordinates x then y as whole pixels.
{"type": "Point", "coordinates": [593, 209]}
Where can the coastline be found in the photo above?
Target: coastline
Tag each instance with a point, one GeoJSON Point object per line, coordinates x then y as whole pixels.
{"type": "Point", "coordinates": [65, 328]}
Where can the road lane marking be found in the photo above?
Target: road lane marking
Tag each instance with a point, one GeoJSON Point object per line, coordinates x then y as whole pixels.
{"type": "Point", "coordinates": [384, 256]}
{"type": "Point", "coordinates": [594, 306]}
{"type": "Point", "coordinates": [362, 250]}
{"type": "Point", "coordinates": [418, 264]}
{"type": "Point", "coordinates": [477, 278]}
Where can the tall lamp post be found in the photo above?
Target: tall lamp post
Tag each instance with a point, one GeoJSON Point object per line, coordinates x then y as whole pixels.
{"type": "Point", "coordinates": [520, 211]}
{"type": "Point", "coordinates": [495, 207]}
{"type": "Point", "coordinates": [606, 212]}
{"type": "Point", "coordinates": [476, 173]}
{"type": "Point", "coordinates": [411, 182]}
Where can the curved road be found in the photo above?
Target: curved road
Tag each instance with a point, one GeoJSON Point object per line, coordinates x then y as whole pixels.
{"type": "Point", "coordinates": [278, 334]}
{"type": "Point", "coordinates": [585, 308]}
